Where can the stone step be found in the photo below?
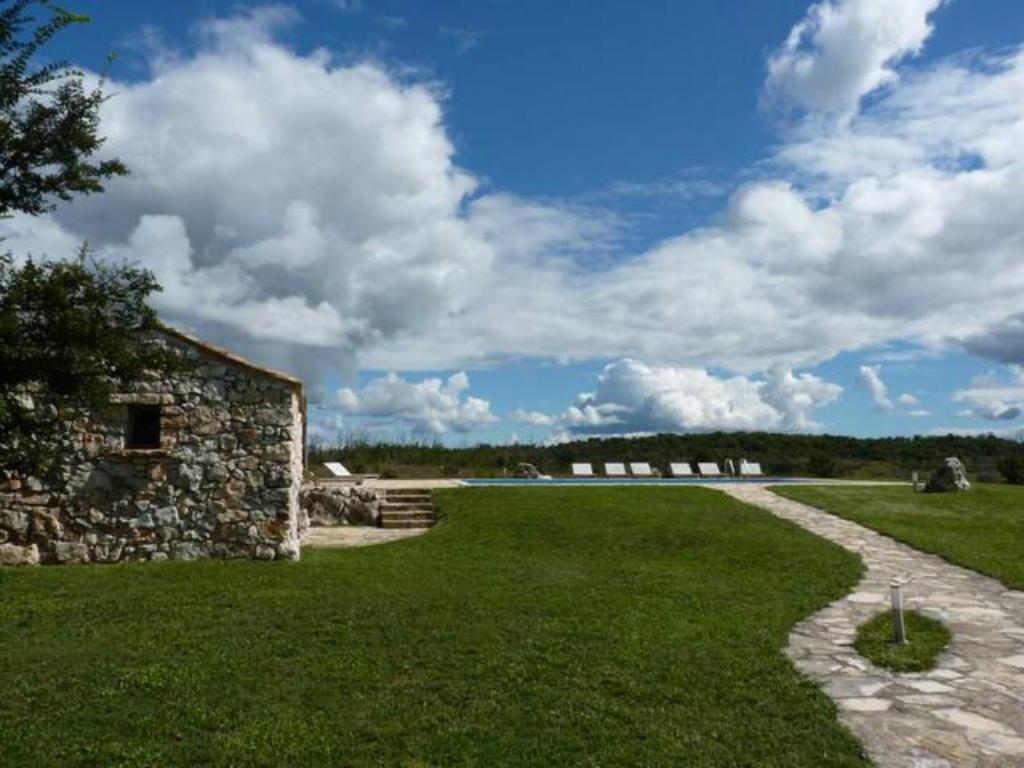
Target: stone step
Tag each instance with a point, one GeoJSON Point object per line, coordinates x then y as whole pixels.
{"type": "Point", "coordinates": [419, 511]}
{"type": "Point", "coordinates": [384, 523]}
{"type": "Point", "coordinates": [419, 522]}
{"type": "Point", "coordinates": [424, 497]}
{"type": "Point", "coordinates": [398, 505]}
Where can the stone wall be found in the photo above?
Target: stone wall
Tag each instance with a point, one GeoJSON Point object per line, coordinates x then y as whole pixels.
{"type": "Point", "coordinates": [224, 482]}
{"type": "Point", "coordinates": [341, 505]}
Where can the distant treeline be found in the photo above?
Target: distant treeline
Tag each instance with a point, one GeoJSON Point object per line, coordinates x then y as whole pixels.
{"type": "Point", "coordinates": [779, 455]}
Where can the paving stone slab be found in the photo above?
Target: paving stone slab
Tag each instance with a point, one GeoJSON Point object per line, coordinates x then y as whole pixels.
{"type": "Point", "coordinates": [966, 713]}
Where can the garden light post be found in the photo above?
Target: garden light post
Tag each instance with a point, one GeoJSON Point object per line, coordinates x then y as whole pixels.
{"type": "Point", "coordinates": [899, 627]}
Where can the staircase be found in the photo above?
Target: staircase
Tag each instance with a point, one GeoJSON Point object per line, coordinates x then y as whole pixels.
{"type": "Point", "coordinates": [407, 508]}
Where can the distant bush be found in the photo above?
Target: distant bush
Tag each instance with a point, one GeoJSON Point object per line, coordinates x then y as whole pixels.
{"type": "Point", "coordinates": [1011, 467]}
{"type": "Point", "coordinates": [821, 465]}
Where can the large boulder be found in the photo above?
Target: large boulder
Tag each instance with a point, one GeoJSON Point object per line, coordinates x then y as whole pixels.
{"type": "Point", "coordinates": [949, 478]}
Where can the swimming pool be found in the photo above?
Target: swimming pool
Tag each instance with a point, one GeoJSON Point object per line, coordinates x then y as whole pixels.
{"type": "Point", "coordinates": [631, 480]}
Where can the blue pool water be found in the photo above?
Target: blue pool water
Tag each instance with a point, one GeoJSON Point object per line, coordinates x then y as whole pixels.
{"type": "Point", "coordinates": [631, 480]}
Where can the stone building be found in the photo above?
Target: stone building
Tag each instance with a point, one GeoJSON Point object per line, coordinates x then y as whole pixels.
{"type": "Point", "coordinates": [205, 461]}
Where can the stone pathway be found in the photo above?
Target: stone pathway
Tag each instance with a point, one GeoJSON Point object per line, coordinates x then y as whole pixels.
{"type": "Point", "coordinates": [355, 535]}
{"type": "Point", "coordinates": [966, 713]}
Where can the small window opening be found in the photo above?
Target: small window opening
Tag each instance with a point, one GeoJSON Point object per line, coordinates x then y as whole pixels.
{"type": "Point", "coordinates": [143, 426]}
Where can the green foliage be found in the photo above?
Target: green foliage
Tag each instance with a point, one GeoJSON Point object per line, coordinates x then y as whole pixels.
{"type": "Point", "coordinates": [926, 639]}
{"type": "Point", "coordinates": [981, 529]}
{"type": "Point", "coordinates": [554, 627]}
{"type": "Point", "coordinates": [69, 332]}
{"type": "Point", "coordinates": [821, 465]}
{"type": "Point", "coordinates": [779, 454]}
{"type": "Point", "coordinates": [1011, 467]}
{"type": "Point", "coordinates": [49, 120]}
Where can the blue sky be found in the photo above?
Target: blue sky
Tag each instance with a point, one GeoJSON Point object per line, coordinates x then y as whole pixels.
{"type": "Point", "coordinates": [480, 220]}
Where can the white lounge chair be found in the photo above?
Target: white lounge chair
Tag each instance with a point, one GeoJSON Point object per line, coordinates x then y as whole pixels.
{"type": "Point", "coordinates": [337, 469]}
{"type": "Point", "coordinates": [340, 474]}
{"type": "Point", "coordinates": [615, 469]}
{"type": "Point", "coordinates": [709, 469]}
{"type": "Point", "coordinates": [750, 469]}
{"type": "Point", "coordinates": [640, 469]}
{"type": "Point", "coordinates": [680, 469]}
{"type": "Point", "coordinates": [582, 470]}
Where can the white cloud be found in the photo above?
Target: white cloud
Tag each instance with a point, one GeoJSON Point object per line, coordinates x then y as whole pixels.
{"type": "Point", "coordinates": [431, 406]}
{"type": "Point", "coordinates": [993, 398]}
{"type": "Point", "coordinates": [311, 213]}
{"type": "Point", "coordinates": [870, 378]}
{"type": "Point", "coordinates": [633, 397]}
{"type": "Point", "coordinates": [533, 418]}
{"type": "Point", "coordinates": [844, 49]}
{"type": "Point", "coordinates": [348, 6]}
{"type": "Point", "coordinates": [465, 39]}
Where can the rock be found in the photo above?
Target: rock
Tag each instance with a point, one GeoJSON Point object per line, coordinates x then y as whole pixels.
{"type": "Point", "coordinates": [70, 552]}
{"type": "Point", "coordinates": [13, 521]}
{"type": "Point", "coordinates": [12, 554]}
{"type": "Point", "coordinates": [949, 478]}
{"type": "Point", "coordinates": [340, 506]}
{"type": "Point", "coordinates": [187, 550]}
{"type": "Point", "coordinates": [527, 470]}
{"type": "Point", "coordinates": [166, 516]}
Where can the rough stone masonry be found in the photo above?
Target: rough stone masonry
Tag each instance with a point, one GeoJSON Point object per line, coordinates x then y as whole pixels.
{"type": "Point", "coordinates": [205, 461]}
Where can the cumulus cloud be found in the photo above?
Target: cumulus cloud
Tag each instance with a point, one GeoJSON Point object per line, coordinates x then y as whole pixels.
{"type": "Point", "coordinates": [845, 49]}
{"type": "Point", "coordinates": [310, 212]}
{"type": "Point", "coordinates": [634, 397]}
{"type": "Point", "coordinates": [992, 397]}
{"type": "Point", "coordinates": [431, 406]}
{"type": "Point", "coordinates": [1002, 341]}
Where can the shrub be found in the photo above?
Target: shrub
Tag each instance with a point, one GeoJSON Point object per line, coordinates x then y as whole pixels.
{"type": "Point", "coordinates": [821, 465]}
{"type": "Point", "coordinates": [1011, 467]}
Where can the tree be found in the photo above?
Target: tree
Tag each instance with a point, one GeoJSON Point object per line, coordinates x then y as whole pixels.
{"type": "Point", "coordinates": [49, 119]}
{"type": "Point", "coordinates": [69, 330]}
{"type": "Point", "coordinates": [69, 337]}
{"type": "Point", "coordinates": [1011, 466]}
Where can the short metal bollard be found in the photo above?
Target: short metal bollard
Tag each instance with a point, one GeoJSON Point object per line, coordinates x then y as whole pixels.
{"type": "Point", "coordinates": [899, 626]}
{"type": "Point", "coordinates": [916, 480]}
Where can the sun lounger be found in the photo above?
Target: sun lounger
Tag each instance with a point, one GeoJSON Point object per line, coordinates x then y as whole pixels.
{"type": "Point", "coordinates": [680, 469]}
{"type": "Point", "coordinates": [750, 469]}
{"type": "Point", "coordinates": [640, 469]}
{"type": "Point", "coordinates": [582, 470]}
{"type": "Point", "coordinates": [340, 474]}
{"type": "Point", "coordinates": [709, 469]}
{"type": "Point", "coordinates": [615, 469]}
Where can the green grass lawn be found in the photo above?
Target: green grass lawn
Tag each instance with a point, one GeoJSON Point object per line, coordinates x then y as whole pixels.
{"type": "Point", "coordinates": [531, 627]}
{"type": "Point", "coordinates": [926, 639]}
{"type": "Point", "coordinates": [982, 529]}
